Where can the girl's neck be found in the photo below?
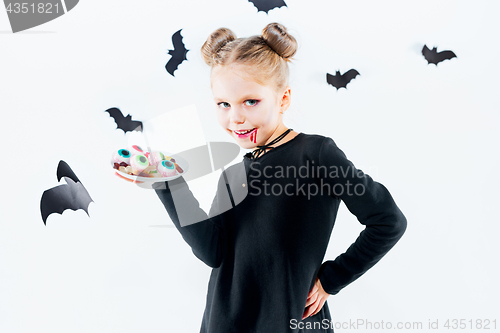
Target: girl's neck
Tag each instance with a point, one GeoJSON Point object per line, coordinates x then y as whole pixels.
{"type": "Point", "coordinates": [280, 130]}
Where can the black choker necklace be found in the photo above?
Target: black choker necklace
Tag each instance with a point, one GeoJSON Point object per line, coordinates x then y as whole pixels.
{"type": "Point", "coordinates": [262, 149]}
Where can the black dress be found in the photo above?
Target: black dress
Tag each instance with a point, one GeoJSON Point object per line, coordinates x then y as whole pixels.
{"type": "Point", "coordinates": [268, 230]}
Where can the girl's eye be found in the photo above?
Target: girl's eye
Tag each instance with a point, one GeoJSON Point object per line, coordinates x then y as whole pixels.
{"type": "Point", "coordinates": [224, 105]}
{"type": "Point", "coordinates": [251, 102]}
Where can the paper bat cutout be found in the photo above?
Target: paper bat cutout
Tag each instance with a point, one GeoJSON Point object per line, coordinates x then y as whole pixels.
{"type": "Point", "coordinates": [124, 123]}
{"type": "Point", "coordinates": [435, 57]}
{"type": "Point", "coordinates": [341, 80]}
{"type": "Point", "coordinates": [178, 53]}
{"type": "Point", "coordinates": [71, 196]}
{"type": "Point", "coordinates": [267, 5]}
{"type": "Point", "coordinates": [63, 170]}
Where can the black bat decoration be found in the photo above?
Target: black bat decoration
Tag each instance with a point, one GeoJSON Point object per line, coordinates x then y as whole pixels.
{"type": "Point", "coordinates": [178, 53]}
{"type": "Point", "coordinates": [435, 57]}
{"type": "Point", "coordinates": [124, 123]}
{"type": "Point", "coordinates": [267, 5]}
{"type": "Point", "coordinates": [341, 80]}
{"type": "Point", "coordinates": [63, 170]}
{"type": "Point", "coordinates": [71, 196]}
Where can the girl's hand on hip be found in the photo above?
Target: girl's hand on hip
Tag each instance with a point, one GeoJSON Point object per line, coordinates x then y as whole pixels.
{"type": "Point", "coordinates": [315, 300]}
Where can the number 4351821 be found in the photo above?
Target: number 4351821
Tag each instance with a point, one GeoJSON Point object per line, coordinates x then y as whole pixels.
{"type": "Point", "coordinates": [41, 8]}
{"type": "Point", "coordinates": [484, 324]}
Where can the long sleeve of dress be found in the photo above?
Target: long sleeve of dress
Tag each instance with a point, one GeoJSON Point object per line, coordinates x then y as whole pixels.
{"type": "Point", "coordinates": [373, 206]}
{"type": "Point", "coordinates": [204, 234]}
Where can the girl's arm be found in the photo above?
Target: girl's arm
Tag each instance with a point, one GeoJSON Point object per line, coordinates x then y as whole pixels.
{"type": "Point", "coordinates": [203, 233]}
{"type": "Point", "coordinates": [374, 207]}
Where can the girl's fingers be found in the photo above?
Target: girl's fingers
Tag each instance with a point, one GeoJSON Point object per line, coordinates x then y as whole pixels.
{"type": "Point", "coordinates": [307, 313]}
{"type": "Point", "coordinates": [312, 299]}
{"type": "Point", "coordinates": [310, 310]}
{"type": "Point", "coordinates": [311, 294]}
{"type": "Point", "coordinates": [314, 289]}
{"type": "Point", "coordinates": [315, 300]}
{"type": "Point", "coordinates": [320, 306]}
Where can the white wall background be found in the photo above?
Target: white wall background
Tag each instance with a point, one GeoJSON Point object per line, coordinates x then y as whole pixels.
{"type": "Point", "coordinates": [430, 134]}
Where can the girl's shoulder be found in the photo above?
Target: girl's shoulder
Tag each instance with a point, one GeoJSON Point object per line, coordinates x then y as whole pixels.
{"type": "Point", "coordinates": [313, 146]}
{"type": "Point", "coordinates": [314, 140]}
{"type": "Point", "coordinates": [312, 136]}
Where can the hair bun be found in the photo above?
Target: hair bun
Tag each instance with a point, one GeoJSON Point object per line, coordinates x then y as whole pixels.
{"type": "Point", "coordinates": [215, 42]}
{"type": "Point", "coordinates": [277, 38]}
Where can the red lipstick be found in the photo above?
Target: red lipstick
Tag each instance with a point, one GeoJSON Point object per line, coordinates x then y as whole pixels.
{"type": "Point", "coordinates": [246, 135]}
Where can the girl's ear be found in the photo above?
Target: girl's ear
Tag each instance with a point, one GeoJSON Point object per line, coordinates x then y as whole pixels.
{"type": "Point", "coordinates": [285, 99]}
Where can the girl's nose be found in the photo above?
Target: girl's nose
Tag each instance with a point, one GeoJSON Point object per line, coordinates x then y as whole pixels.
{"type": "Point", "coordinates": [237, 116]}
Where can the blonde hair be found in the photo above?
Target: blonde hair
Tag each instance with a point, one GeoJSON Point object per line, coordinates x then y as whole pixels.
{"type": "Point", "coordinates": [266, 56]}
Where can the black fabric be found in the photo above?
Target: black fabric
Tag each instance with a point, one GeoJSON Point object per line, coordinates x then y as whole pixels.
{"type": "Point", "coordinates": [267, 250]}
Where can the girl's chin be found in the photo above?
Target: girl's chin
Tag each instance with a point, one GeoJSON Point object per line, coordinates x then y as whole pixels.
{"type": "Point", "coordinates": [245, 144]}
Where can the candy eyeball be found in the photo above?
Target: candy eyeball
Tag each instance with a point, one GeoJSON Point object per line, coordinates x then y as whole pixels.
{"type": "Point", "coordinates": [122, 155]}
{"type": "Point", "coordinates": [136, 161]}
{"type": "Point", "coordinates": [139, 163]}
{"type": "Point", "coordinates": [166, 168]}
{"type": "Point", "coordinates": [136, 150]}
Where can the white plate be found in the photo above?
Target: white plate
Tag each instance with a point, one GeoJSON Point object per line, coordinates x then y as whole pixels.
{"type": "Point", "coordinates": [150, 180]}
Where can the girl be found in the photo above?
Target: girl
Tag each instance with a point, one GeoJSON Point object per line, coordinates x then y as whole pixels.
{"type": "Point", "coordinates": [273, 213]}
